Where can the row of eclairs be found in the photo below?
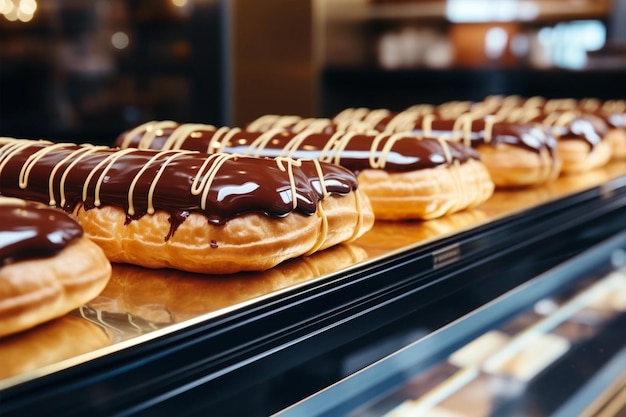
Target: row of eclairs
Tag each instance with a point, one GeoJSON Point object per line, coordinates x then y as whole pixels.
{"type": "Point", "coordinates": [221, 200]}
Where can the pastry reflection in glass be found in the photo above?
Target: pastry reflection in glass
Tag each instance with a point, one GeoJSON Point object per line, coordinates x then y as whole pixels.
{"type": "Point", "coordinates": [52, 342]}
{"type": "Point", "coordinates": [139, 300]}
{"type": "Point", "coordinates": [386, 236]}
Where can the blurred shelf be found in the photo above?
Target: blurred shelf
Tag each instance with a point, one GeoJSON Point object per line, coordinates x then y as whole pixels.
{"type": "Point", "coordinates": [516, 10]}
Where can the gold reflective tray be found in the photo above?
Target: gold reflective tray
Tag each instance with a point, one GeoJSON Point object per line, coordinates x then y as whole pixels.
{"type": "Point", "coordinates": [139, 304]}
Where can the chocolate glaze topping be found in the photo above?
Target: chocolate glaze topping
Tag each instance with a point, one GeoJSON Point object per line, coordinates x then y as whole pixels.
{"type": "Point", "coordinates": [219, 186]}
{"type": "Point", "coordinates": [572, 126]}
{"type": "Point", "coordinates": [353, 150]}
{"type": "Point", "coordinates": [473, 129]}
{"type": "Point", "coordinates": [30, 230]}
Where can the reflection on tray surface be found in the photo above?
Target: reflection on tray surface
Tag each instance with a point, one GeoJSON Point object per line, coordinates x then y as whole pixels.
{"type": "Point", "coordinates": [138, 301]}
{"type": "Point", "coordinates": [500, 364]}
{"type": "Point", "coordinates": [63, 338]}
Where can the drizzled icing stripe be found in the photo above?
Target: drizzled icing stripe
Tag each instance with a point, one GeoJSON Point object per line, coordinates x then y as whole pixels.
{"type": "Point", "coordinates": [32, 160]}
{"type": "Point", "coordinates": [290, 163]}
{"type": "Point", "coordinates": [150, 209]}
{"type": "Point", "coordinates": [337, 148]}
{"type": "Point", "coordinates": [69, 157]}
{"type": "Point", "coordinates": [221, 159]}
{"type": "Point", "coordinates": [178, 136]}
{"type": "Point", "coordinates": [265, 120]}
{"type": "Point", "coordinates": [261, 142]}
{"type": "Point", "coordinates": [66, 172]}
{"type": "Point", "coordinates": [107, 163]}
{"type": "Point", "coordinates": [133, 184]}
{"type": "Point", "coordinates": [88, 180]}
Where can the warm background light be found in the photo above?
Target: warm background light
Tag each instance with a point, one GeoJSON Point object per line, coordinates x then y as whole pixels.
{"type": "Point", "coordinates": [22, 10]}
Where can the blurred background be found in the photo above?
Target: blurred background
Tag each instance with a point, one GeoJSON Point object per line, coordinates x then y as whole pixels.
{"type": "Point", "coordinates": [85, 70]}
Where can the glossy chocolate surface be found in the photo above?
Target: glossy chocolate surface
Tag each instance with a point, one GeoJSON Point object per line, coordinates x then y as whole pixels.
{"type": "Point", "coordinates": [530, 136]}
{"type": "Point", "coordinates": [353, 150]}
{"type": "Point", "coordinates": [142, 181]}
{"type": "Point", "coordinates": [30, 230]}
{"type": "Point", "coordinates": [455, 126]}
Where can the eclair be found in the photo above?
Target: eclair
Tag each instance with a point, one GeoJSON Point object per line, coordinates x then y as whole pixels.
{"type": "Point", "coordinates": [219, 213]}
{"type": "Point", "coordinates": [404, 176]}
{"type": "Point", "coordinates": [48, 266]}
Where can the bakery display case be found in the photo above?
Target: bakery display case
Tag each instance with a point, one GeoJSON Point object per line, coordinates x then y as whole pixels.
{"type": "Point", "coordinates": [552, 346]}
{"type": "Point", "coordinates": [513, 307]}
{"type": "Point", "coordinates": [158, 342]}
{"type": "Point", "coordinates": [432, 51]}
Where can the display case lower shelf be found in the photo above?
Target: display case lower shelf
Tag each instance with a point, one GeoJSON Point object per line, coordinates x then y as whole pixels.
{"type": "Point", "coordinates": [550, 347]}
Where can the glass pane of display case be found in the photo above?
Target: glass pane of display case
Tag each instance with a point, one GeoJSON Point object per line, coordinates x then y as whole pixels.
{"type": "Point", "coordinates": [552, 346]}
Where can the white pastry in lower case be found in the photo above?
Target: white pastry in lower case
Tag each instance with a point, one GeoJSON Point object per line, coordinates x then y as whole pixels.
{"type": "Point", "coordinates": [525, 360]}
{"type": "Point", "coordinates": [48, 267]}
{"type": "Point", "coordinates": [404, 176]}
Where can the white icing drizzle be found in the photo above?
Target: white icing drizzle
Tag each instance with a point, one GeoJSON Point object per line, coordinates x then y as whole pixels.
{"type": "Point", "coordinates": [564, 118]}
{"type": "Point", "coordinates": [376, 116]}
{"type": "Point", "coordinates": [427, 125]}
{"type": "Point", "coordinates": [262, 123]}
{"type": "Point", "coordinates": [201, 184]}
{"type": "Point", "coordinates": [332, 144]}
{"type": "Point", "coordinates": [391, 140]}
{"type": "Point", "coordinates": [136, 131]}
{"type": "Point", "coordinates": [202, 180]}
{"type": "Point", "coordinates": [281, 162]}
{"type": "Point", "coordinates": [32, 160]}
{"type": "Point", "coordinates": [551, 118]}
{"type": "Point", "coordinates": [10, 149]}
{"type": "Point", "coordinates": [67, 170]}
{"type": "Point", "coordinates": [351, 114]}
{"type": "Point", "coordinates": [446, 149]}
{"type": "Point", "coordinates": [402, 122]}
{"type": "Point", "coordinates": [216, 143]}
{"type": "Point", "coordinates": [150, 208]}
{"type": "Point", "coordinates": [614, 106]}
{"type": "Point", "coordinates": [559, 104]}
{"type": "Point", "coordinates": [108, 163]}
{"type": "Point", "coordinates": [320, 174]}
{"type": "Point", "coordinates": [261, 141]}
{"type": "Point", "coordinates": [323, 233]}
{"type": "Point", "coordinates": [294, 143]}
{"type": "Point", "coordinates": [340, 145]}
{"type": "Point", "coordinates": [316, 125]}
{"type": "Point", "coordinates": [359, 224]}
{"type": "Point", "coordinates": [182, 133]}
{"type": "Point", "coordinates": [153, 130]}
{"type": "Point", "coordinates": [590, 104]}
{"type": "Point", "coordinates": [285, 122]}
{"type": "Point", "coordinates": [421, 109]}
{"type": "Point", "coordinates": [69, 157]}
{"type": "Point", "coordinates": [535, 101]}
{"type": "Point", "coordinates": [489, 122]}
{"type": "Point", "coordinates": [226, 139]}
{"type": "Point", "coordinates": [462, 128]}
{"type": "Point", "coordinates": [133, 184]}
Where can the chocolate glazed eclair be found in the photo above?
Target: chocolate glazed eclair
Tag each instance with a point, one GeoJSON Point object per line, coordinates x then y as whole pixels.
{"type": "Point", "coordinates": [404, 176]}
{"type": "Point", "coordinates": [218, 213]}
{"type": "Point", "coordinates": [47, 265]}
{"type": "Point", "coordinates": [515, 154]}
